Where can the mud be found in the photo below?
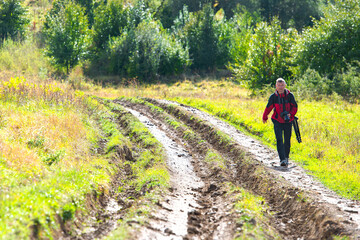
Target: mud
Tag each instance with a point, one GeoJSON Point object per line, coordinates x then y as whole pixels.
{"type": "Point", "coordinates": [172, 215]}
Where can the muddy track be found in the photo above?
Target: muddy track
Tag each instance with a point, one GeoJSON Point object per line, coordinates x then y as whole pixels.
{"type": "Point", "coordinates": [298, 212]}
{"type": "Point", "coordinates": [196, 208]}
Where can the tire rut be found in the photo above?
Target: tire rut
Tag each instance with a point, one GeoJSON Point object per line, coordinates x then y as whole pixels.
{"type": "Point", "coordinates": [193, 209]}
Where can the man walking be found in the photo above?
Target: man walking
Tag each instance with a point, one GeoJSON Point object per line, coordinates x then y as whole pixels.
{"type": "Point", "coordinates": [285, 107]}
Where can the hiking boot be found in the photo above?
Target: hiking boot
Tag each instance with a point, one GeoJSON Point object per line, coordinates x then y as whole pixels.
{"type": "Point", "coordinates": [283, 163]}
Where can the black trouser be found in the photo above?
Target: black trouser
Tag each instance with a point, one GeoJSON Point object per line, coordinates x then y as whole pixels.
{"type": "Point", "coordinates": [282, 144]}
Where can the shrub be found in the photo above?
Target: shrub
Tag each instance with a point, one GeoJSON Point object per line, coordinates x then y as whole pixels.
{"type": "Point", "coordinates": [209, 39]}
{"type": "Point", "coordinates": [146, 52]}
{"type": "Point", "coordinates": [345, 83]}
{"type": "Point", "coordinates": [333, 42]}
{"type": "Point", "coordinates": [13, 19]}
{"type": "Point", "coordinates": [267, 57]}
{"type": "Point", "coordinates": [243, 24]}
{"type": "Point", "coordinates": [67, 35]}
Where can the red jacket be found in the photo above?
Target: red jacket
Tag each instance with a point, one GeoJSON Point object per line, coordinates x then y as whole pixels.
{"type": "Point", "coordinates": [277, 102]}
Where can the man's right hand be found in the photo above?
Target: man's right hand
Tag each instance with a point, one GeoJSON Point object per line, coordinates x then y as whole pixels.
{"type": "Point", "coordinates": [264, 120]}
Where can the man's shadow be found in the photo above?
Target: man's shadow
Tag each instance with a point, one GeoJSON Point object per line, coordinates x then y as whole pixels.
{"type": "Point", "coordinates": [282, 168]}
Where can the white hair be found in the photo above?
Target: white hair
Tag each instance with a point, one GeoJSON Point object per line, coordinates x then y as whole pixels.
{"type": "Point", "coordinates": [279, 80]}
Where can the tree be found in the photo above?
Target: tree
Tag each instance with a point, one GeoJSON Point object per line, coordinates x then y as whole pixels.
{"type": "Point", "coordinates": [67, 35]}
{"type": "Point", "coordinates": [13, 19]}
{"type": "Point", "coordinates": [208, 39]}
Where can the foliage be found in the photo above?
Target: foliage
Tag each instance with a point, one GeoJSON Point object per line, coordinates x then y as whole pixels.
{"type": "Point", "coordinates": [345, 83]}
{"type": "Point", "coordinates": [267, 57]}
{"type": "Point", "coordinates": [244, 24]}
{"type": "Point", "coordinates": [67, 34]}
{"type": "Point", "coordinates": [24, 56]}
{"type": "Point", "coordinates": [333, 42]}
{"type": "Point", "coordinates": [291, 13]}
{"type": "Point", "coordinates": [146, 52]}
{"type": "Point", "coordinates": [112, 18]}
{"type": "Point", "coordinates": [209, 39]}
{"type": "Point", "coordinates": [170, 9]}
{"type": "Point", "coordinates": [13, 19]}
{"type": "Point", "coordinates": [90, 7]}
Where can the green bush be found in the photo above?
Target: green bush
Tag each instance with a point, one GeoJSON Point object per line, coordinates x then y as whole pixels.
{"type": "Point", "coordinates": [13, 19]}
{"type": "Point", "coordinates": [67, 35]}
{"type": "Point", "coordinates": [146, 52]}
{"type": "Point", "coordinates": [268, 56]}
{"type": "Point", "coordinates": [345, 83]}
{"type": "Point", "coordinates": [333, 42]}
{"type": "Point", "coordinates": [312, 85]}
{"type": "Point", "coordinates": [243, 23]}
{"type": "Point", "coordinates": [90, 8]}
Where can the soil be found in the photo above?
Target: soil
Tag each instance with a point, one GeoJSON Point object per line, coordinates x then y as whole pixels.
{"type": "Point", "coordinates": [197, 205]}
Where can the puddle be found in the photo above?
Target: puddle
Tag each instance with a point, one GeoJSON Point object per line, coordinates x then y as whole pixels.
{"type": "Point", "coordinates": [171, 221]}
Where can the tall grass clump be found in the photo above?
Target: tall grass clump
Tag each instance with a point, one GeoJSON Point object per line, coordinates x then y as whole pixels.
{"type": "Point", "coordinates": [46, 165]}
{"type": "Point", "coordinates": [24, 58]}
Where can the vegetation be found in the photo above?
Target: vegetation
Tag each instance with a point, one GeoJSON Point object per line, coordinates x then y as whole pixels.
{"type": "Point", "coordinates": [67, 35]}
{"type": "Point", "coordinates": [150, 41]}
{"type": "Point", "coordinates": [13, 19]}
{"type": "Point", "coordinates": [268, 57]}
{"type": "Point", "coordinates": [45, 171]}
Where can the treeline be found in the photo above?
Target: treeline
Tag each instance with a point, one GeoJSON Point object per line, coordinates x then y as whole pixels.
{"type": "Point", "coordinates": [313, 44]}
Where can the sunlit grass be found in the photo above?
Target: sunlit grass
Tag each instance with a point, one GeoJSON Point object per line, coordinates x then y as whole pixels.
{"type": "Point", "coordinates": [46, 165]}
{"type": "Point", "coordinates": [331, 140]}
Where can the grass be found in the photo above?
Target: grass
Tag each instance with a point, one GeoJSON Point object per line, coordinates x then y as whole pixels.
{"type": "Point", "coordinates": [150, 166]}
{"type": "Point", "coordinates": [149, 178]}
{"type": "Point", "coordinates": [252, 222]}
{"type": "Point", "coordinates": [331, 141]}
{"type": "Point", "coordinates": [24, 58]}
{"type": "Point", "coordinates": [46, 166]}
